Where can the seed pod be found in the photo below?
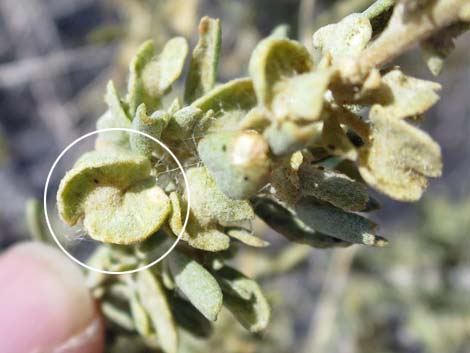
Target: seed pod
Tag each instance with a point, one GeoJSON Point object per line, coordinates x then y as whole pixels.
{"type": "Point", "coordinates": [114, 196]}
{"type": "Point", "coordinates": [203, 68]}
{"type": "Point", "coordinates": [238, 161]}
{"type": "Point", "coordinates": [244, 298]}
{"type": "Point", "coordinates": [338, 223]}
{"type": "Point", "coordinates": [197, 284]}
{"type": "Point", "coordinates": [151, 125]}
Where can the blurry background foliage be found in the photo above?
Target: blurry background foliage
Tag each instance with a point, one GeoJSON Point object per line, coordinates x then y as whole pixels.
{"type": "Point", "coordinates": [413, 296]}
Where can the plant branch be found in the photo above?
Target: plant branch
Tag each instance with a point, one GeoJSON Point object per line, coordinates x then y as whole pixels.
{"type": "Point", "coordinates": [404, 30]}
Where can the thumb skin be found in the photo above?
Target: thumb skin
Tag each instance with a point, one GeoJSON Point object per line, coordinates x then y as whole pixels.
{"type": "Point", "coordinates": [45, 305]}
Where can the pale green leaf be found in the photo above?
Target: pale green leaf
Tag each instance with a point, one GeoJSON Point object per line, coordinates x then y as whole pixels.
{"type": "Point", "coordinates": [139, 316]}
{"type": "Point", "coordinates": [206, 239]}
{"type": "Point", "coordinates": [114, 196]}
{"type": "Point", "coordinates": [345, 39]}
{"type": "Point", "coordinates": [203, 68]}
{"type": "Point", "coordinates": [286, 137]}
{"type": "Point", "coordinates": [116, 106]}
{"type": "Point", "coordinates": [160, 74]}
{"type": "Point", "coordinates": [273, 60]}
{"type": "Point", "coordinates": [233, 99]}
{"type": "Point", "coordinates": [117, 315]}
{"type": "Point", "coordinates": [136, 93]}
{"type": "Point", "coordinates": [181, 123]}
{"type": "Point", "coordinates": [112, 140]}
{"type": "Point", "coordinates": [210, 205]}
{"type": "Point", "coordinates": [247, 237]}
{"type": "Point", "coordinates": [301, 97]}
{"type": "Point", "coordinates": [197, 284]}
{"type": "Point", "coordinates": [238, 161]}
{"type": "Point", "coordinates": [153, 299]}
{"type": "Point", "coordinates": [36, 221]}
{"type": "Point", "coordinates": [281, 31]}
{"type": "Point", "coordinates": [152, 125]}
{"type": "Point", "coordinates": [405, 96]}
{"type": "Point", "coordinates": [196, 236]}
{"type": "Point", "coordinates": [399, 158]}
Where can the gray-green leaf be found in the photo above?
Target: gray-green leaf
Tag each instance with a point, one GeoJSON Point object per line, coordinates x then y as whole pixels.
{"type": "Point", "coordinates": [197, 284]}
{"type": "Point", "coordinates": [244, 298]}
{"type": "Point", "coordinates": [203, 68]}
{"type": "Point", "coordinates": [153, 298]}
{"type": "Point", "coordinates": [338, 223]}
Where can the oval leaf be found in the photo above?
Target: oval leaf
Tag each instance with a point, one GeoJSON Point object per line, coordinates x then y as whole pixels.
{"type": "Point", "coordinates": [197, 284]}
{"type": "Point", "coordinates": [273, 60]}
{"type": "Point", "coordinates": [238, 161]}
{"type": "Point", "coordinates": [114, 197]}
{"type": "Point", "coordinates": [399, 158]}
{"type": "Point", "coordinates": [210, 205]}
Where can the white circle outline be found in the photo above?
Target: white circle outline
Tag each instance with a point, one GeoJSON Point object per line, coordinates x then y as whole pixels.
{"type": "Point", "coordinates": [165, 147]}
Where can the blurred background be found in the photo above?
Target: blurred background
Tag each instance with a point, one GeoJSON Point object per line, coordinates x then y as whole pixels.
{"type": "Point", "coordinates": [56, 57]}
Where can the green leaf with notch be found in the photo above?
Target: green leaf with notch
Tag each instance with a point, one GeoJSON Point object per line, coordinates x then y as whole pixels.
{"type": "Point", "coordinates": [114, 197]}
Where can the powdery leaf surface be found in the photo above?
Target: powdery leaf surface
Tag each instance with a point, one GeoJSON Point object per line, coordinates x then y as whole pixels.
{"type": "Point", "coordinates": [399, 158]}
{"type": "Point", "coordinates": [210, 205]}
{"type": "Point", "coordinates": [345, 39]}
{"type": "Point", "coordinates": [203, 67]}
{"type": "Point", "coordinates": [406, 96]}
{"type": "Point", "coordinates": [275, 59]}
{"type": "Point", "coordinates": [115, 187]}
{"type": "Point", "coordinates": [153, 299]}
{"type": "Point", "coordinates": [238, 161]}
{"type": "Point", "coordinates": [197, 284]}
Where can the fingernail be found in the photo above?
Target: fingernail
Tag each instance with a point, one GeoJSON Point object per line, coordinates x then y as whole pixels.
{"type": "Point", "coordinates": [45, 303]}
